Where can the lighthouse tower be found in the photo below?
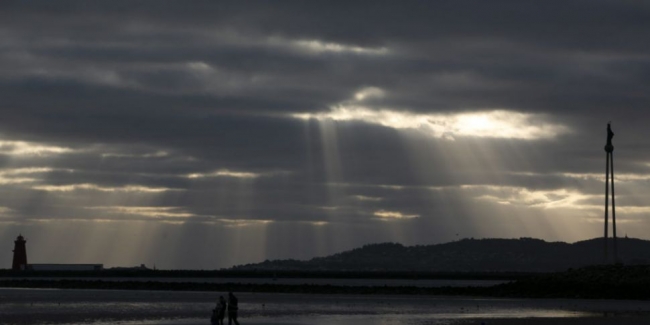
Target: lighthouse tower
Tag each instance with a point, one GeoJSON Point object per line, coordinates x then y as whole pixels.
{"type": "Point", "coordinates": [20, 254]}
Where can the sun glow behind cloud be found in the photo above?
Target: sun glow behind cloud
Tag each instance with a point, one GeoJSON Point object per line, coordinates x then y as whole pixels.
{"type": "Point", "coordinates": [488, 123]}
{"type": "Point", "coordinates": [544, 199]}
{"type": "Point", "coordinates": [27, 170]}
{"type": "Point", "coordinates": [243, 222]}
{"type": "Point", "coordinates": [548, 200]}
{"type": "Point", "coordinates": [24, 148]}
{"type": "Point", "coordinates": [147, 211]}
{"type": "Point", "coordinates": [16, 175]}
{"type": "Point", "coordinates": [225, 173]}
{"type": "Point", "coordinates": [483, 124]}
{"type": "Point", "coordinates": [157, 154]}
{"type": "Point", "coordinates": [393, 215]}
{"type": "Point", "coordinates": [93, 187]}
{"type": "Point", "coordinates": [316, 46]}
{"type": "Point", "coordinates": [367, 198]}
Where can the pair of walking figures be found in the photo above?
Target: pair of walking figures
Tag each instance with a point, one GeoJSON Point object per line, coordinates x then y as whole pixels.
{"type": "Point", "coordinates": [219, 313]}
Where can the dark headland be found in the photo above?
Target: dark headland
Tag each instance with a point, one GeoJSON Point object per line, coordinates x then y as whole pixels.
{"type": "Point", "coordinates": [466, 256]}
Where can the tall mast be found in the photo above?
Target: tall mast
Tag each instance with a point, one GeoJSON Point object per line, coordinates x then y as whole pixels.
{"type": "Point", "coordinates": [609, 175]}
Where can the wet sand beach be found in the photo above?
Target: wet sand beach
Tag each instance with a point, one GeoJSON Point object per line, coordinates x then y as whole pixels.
{"type": "Point", "coordinates": [366, 320]}
{"type": "Point", "coordinates": [37, 306]}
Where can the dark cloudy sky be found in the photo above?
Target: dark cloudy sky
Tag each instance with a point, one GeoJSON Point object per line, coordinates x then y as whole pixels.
{"type": "Point", "coordinates": [206, 134]}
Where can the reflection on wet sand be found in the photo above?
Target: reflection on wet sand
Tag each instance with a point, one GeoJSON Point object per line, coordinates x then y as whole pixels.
{"type": "Point", "coordinates": [35, 306]}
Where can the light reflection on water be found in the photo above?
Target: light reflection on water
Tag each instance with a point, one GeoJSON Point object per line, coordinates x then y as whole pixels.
{"type": "Point", "coordinates": [33, 306]}
{"type": "Point", "coordinates": [368, 319]}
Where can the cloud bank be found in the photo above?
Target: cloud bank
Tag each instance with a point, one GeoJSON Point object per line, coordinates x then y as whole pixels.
{"type": "Point", "coordinates": [163, 132]}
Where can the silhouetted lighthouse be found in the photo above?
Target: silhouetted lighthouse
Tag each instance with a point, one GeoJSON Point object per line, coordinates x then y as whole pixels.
{"type": "Point", "coordinates": [20, 254]}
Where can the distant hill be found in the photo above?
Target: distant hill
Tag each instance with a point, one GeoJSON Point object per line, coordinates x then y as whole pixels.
{"type": "Point", "coordinates": [467, 255]}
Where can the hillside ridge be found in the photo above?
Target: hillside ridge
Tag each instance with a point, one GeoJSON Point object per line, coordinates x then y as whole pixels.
{"type": "Point", "coordinates": [466, 255]}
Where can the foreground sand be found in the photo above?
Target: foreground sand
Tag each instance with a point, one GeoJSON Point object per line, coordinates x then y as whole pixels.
{"type": "Point", "coordinates": [38, 306]}
{"type": "Point", "coordinates": [611, 320]}
{"type": "Point", "coordinates": [372, 320]}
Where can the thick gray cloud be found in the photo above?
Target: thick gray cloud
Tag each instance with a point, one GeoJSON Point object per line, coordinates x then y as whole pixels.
{"type": "Point", "coordinates": [161, 132]}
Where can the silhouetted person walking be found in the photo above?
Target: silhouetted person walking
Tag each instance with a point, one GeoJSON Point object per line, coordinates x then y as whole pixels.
{"type": "Point", "coordinates": [221, 310]}
{"type": "Point", "coordinates": [232, 309]}
{"type": "Point", "coordinates": [214, 319]}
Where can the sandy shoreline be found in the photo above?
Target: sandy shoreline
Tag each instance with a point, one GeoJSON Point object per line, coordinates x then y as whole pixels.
{"type": "Point", "coordinates": [371, 320]}
{"type": "Point", "coordinates": [610, 320]}
{"type": "Point", "coordinates": [38, 306]}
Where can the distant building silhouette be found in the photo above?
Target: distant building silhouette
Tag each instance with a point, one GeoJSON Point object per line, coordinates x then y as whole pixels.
{"type": "Point", "coordinates": [20, 254]}
{"type": "Point", "coordinates": [65, 267]}
{"type": "Point", "coordinates": [142, 267]}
